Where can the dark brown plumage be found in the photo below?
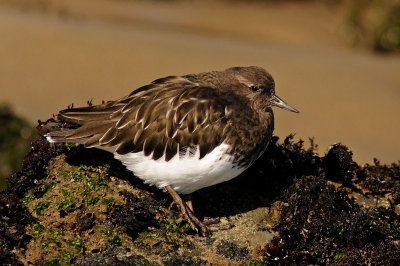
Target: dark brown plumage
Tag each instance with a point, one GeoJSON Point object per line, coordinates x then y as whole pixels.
{"type": "Point", "coordinates": [203, 109]}
{"type": "Point", "coordinates": [180, 115]}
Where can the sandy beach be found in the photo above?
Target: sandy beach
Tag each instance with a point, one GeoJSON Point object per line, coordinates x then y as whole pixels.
{"type": "Point", "coordinates": [67, 52]}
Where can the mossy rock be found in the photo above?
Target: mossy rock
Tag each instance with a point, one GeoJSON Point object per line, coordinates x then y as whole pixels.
{"type": "Point", "coordinates": [71, 205]}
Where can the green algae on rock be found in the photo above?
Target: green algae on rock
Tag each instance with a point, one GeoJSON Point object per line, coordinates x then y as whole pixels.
{"type": "Point", "coordinates": [70, 205]}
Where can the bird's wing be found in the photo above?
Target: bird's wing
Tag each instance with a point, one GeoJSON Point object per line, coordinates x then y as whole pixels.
{"type": "Point", "coordinates": [161, 118]}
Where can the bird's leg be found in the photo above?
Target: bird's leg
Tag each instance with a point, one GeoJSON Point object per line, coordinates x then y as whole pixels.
{"type": "Point", "coordinates": [189, 203]}
{"type": "Point", "coordinates": [186, 211]}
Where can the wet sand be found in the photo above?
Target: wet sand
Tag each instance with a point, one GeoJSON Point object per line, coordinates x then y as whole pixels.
{"type": "Point", "coordinates": [80, 50]}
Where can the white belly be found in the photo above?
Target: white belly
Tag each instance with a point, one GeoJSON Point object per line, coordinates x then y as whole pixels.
{"type": "Point", "coordinates": [186, 173]}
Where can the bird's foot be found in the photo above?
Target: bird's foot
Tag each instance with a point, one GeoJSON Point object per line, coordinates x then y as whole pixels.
{"type": "Point", "coordinates": [217, 224]}
{"type": "Point", "coordinates": [187, 212]}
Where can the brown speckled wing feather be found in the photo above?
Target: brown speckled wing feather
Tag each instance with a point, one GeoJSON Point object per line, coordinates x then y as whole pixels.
{"type": "Point", "coordinates": [167, 116]}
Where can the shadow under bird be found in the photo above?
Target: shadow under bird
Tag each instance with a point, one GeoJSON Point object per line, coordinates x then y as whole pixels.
{"type": "Point", "coordinates": [183, 133]}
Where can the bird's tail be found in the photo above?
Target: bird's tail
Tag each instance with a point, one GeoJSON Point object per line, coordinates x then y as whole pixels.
{"type": "Point", "coordinates": [63, 136]}
{"type": "Point", "coordinates": [84, 125]}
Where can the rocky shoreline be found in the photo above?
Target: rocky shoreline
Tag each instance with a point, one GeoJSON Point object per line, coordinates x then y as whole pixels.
{"type": "Point", "coordinates": [70, 205]}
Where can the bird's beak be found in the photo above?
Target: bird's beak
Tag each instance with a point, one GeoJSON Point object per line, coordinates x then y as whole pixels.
{"type": "Point", "coordinates": [276, 101]}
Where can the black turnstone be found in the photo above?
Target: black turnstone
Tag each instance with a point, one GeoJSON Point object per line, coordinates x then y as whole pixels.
{"type": "Point", "coordinates": [183, 133]}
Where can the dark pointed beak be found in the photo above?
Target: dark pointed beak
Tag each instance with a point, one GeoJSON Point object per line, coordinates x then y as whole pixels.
{"type": "Point", "coordinates": [276, 101]}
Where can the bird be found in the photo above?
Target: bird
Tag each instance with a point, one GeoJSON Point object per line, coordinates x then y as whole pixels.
{"type": "Point", "coordinates": [182, 133]}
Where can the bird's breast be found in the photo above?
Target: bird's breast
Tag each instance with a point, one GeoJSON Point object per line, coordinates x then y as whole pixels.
{"type": "Point", "coordinates": [249, 135]}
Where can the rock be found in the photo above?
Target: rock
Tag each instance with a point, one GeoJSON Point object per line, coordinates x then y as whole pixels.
{"type": "Point", "coordinates": [74, 205]}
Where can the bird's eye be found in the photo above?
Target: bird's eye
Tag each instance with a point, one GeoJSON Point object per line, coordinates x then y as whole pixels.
{"type": "Point", "coordinates": [253, 87]}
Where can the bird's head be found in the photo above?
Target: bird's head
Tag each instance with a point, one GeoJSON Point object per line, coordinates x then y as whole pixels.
{"type": "Point", "coordinates": [258, 85]}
